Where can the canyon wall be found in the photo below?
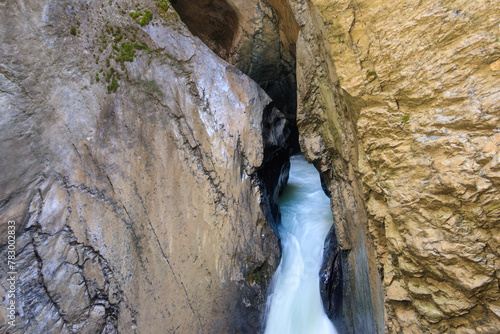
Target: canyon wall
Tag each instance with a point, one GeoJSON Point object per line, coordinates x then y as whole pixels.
{"type": "Point", "coordinates": [131, 152]}
{"type": "Point", "coordinates": [127, 147]}
{"type": "Point", "coordinates": [421, 80]}
{"type": "Point", "coordinates": [328, 138]}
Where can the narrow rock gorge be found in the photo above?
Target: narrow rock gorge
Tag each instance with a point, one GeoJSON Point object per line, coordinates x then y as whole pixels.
{"type": "Point", "coordinates": [144, 145]}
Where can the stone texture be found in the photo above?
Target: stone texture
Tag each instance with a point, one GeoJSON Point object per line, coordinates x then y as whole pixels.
{"type": "Point", "coordinates": [264, 48]}
{"type": "Point", "coordinates": [127, 173]}
{"type": "Point", "coordinates": [424, 85]}
{"type": "Point", "coordinates": [328, 138]}
{"type": "Point", "coordinates": [127, 151]}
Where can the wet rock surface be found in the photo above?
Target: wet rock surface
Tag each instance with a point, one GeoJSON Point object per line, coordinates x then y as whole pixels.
{"type": "Point", "coordinates": [264, 49]}
{"type": "Point", "coordinates": [331, 280]}
{"type": "Point", "coordinates": [328, 137]}
{"type": "Point", "coordinates": [128, 173]}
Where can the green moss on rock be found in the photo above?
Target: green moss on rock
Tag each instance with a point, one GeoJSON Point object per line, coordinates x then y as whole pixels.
{"type": "Point", "coordinates": [146, 18]}
{"type": "Point", "coordinates": [258, 274]}
{"type": "Point", "coordinates": [113, 86]}
{"type": "Point", "coordinates": [163, 5]}
{"type": "Point", "coordinates": [142, 19]}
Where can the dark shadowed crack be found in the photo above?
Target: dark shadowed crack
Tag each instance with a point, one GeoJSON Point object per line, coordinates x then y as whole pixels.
{"type": "Point", "coordinates": [103, 197]}
{"type": "Point", "coordinates": [44, 285]}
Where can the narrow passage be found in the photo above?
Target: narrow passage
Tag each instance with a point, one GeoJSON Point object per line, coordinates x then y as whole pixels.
{"type": "Point", "coordinates": [295, 305]}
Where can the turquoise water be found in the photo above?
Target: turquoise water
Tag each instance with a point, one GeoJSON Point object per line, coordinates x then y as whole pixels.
{"type": "Point", "coordinates": [295, 305]}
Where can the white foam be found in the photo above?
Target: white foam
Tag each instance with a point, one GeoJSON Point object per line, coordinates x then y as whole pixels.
{"type": "Point", "coordinates": [295, 305]}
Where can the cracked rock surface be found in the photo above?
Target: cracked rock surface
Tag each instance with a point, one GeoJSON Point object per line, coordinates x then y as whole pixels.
{"type": "Point", "coordinates": [126, 148]}
{"type": "Point", "coordinates": [421, 79]}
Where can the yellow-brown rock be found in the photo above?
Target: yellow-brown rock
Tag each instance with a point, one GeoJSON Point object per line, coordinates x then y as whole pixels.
{"type": "Point", "coordinates": [425, 83]}
{"type": "Point", "coordinates": [328, 137]}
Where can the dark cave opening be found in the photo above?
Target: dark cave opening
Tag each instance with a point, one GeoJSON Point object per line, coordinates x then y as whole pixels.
{"type": "Point", "coordinates": [215, 22]}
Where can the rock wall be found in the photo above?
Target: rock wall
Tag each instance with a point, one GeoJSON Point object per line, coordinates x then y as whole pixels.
{"type": "Point", "coordinates": [126, 148]}
{"type": "Point", "coordinates": [263, 46]}
{"type": "Point", "coordinates": [328, 138]}
{"type": "Point", "coordinates": [422, 79]}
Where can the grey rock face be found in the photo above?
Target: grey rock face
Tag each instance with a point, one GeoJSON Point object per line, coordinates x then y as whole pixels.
{"type": "Point", "coordinates": [126, 148]}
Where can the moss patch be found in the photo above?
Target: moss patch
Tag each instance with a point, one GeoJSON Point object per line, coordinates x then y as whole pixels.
{"type": "Point", "coordinates": [163, 5]}
{"type": "Point", "coordinates": [134, 15]}
{"type": "Point", "coordinates": [113, 86]}
{"type": "Point", "coordinates": [127, 52]}
{"type": "Point", "coordinates": [371, 75]}
{"type": "Point", "coordinates": [112, 78]}
{"type": "Point", "coordinates": [146, 18]}
{"type": "Point", "coordinates": [141, 47]}
{"type": "Point", "coordinates": [258, 274]}
{"type": "Point", "coordinates": [142, 18]}
{"type": "Point", "coordinates": [115, 45]}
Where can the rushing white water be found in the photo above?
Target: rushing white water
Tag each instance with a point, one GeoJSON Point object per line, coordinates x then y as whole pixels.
{"type": "Point", "coordinates": [295, 306]}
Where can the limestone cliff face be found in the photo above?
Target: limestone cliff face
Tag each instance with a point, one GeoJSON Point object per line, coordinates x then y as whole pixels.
{"type": "Point", "coordinates": [422, 81]}
{"type": "Point", "coordinates": [126, 148]}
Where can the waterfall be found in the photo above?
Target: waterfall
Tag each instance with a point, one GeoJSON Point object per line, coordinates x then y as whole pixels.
{"type": "Point", "coordinates": [295, 305]}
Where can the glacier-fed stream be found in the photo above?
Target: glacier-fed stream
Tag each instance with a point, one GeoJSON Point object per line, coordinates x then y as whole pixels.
{"type": "Point", "coordinates": [295, 306]}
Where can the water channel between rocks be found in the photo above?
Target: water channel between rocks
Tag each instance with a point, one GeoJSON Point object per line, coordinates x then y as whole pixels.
{"type": "Point", "coordinates": [295, 306]}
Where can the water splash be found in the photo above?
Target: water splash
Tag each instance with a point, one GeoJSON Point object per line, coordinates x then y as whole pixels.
{"type": "Point", "coordinates": [295, 305]}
